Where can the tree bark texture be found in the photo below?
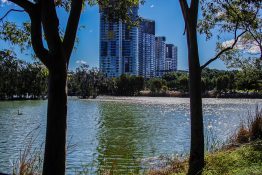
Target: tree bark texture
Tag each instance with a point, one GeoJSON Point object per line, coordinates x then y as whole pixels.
{"type": "Point", "coordinates": [55, 145]}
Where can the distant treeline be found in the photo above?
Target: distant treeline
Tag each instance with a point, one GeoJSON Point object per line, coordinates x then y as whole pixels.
{"type": "Point", "coordinates": [21, 80]}
{"type": "Point", "coordinates": [85, 82]}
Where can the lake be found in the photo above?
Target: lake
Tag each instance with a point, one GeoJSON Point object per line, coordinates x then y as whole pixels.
{"type": "Point", "coordinates": [123, 134]}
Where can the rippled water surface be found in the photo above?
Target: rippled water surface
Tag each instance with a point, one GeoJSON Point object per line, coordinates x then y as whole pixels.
{"type": "Point", "coordinates": [118, 134]}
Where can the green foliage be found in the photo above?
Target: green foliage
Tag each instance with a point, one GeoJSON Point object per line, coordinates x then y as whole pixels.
{"type": "Point", "coordinates": [246, 159]}
{"type": "Point", "coordinates": [20, 79]}
{"type": "Point", "coordinates": [177, 81]}
{"type": "Point", "coordinates": [222, 83]}
{"type": "Point", "coordinates": [156, 84]}
{"type": "Point", "coordinates": [227, 16]}
{"type": "Point", "coordinates": [129, 85]}
{"type": "Point", "coordinates": [85, 82]}
{"type": "Point", "coordinates": [184, 83]}
{"type": "Point", "coordinates": [248, 78]}
{"type": "Point", "coordinates": [16, 34]}
{"type": "Point", "coordinates": [240, 19]}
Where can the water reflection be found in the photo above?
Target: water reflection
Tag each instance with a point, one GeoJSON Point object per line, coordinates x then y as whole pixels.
{"type": "Point", "coordinates": [121, 133]}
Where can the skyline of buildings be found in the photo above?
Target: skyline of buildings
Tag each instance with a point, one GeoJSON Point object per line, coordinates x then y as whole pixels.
{"type": "Point", "coordinates": [134, 50]}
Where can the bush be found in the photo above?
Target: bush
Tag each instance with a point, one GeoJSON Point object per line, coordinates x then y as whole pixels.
{"type": "Point", "coordinates": [252, 131]}
{"type": "Point", "coordinates": [155, 85]}
{"type": "Point", "coordinates": [243, 135]}
{"type": "Point", "coordinates": [255, 126]}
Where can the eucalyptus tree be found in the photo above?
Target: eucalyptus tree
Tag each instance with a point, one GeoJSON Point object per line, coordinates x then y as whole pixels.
{"type": "Point", "coordinates": [240, 18]}
{"type": "Point", "coordinates": [227, 20]}
{"type": "Point", "coordinates": [44, 21]}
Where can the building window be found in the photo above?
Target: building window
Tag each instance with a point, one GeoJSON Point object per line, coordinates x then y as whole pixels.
{"type": "Point", "coordinates": [127, 34]}
{"type": "Point", "coordinates": [127, 64]}
{"type": "Point", "coordinates": [104, 47]}
{"type": "Point", "coordinates": [113, 48]}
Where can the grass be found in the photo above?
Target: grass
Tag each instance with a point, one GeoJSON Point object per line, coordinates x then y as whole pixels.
{"type": "Point", "coordinates": [246, 159]}
{"type": "Point", "coordinates": [243, 160]}
{"type": "Point", "coordinates": [30, 159]}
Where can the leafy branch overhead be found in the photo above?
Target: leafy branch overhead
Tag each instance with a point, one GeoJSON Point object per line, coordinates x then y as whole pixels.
{"type": "Point", "coordinates": [41, 31]}
{"type": "Point", "coordinates": [240, 18]}
{"type": "Point", "coordinates": [16, 34]}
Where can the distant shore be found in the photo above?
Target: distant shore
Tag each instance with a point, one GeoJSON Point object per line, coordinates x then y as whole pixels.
{"type": "Point", "coordinates": [23, 98]}
{"type": "Point", "coordinates": [176, 94]}
{"type": "Point", "coordinates": [210, 94]}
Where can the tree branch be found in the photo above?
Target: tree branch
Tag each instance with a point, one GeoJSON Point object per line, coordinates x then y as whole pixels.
{"type": "Point", "coordinates": [194, 10]}
{"type": "Point", "coordinates": [36, 29]}
{"type": "Point", "coordinates": [25, 4]}
{"type": "Point", "coordinates": [185, 9]}
{"type": "Point", "coordinates": [255, 37]}
{"type": "Point", "coordinates": [36, 38]}
{"type": "Point", "coordinates": [223, 51]}
{"type": "Point", "coordinates": [72, 26]}
{"type": "Point", "coordinates": [9, 11]}
{"type": "Point", "coordinates": [50, 24]}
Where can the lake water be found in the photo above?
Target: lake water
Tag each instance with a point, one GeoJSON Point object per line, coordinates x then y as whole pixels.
{"type": "Point", "coordinates": [121, 133]}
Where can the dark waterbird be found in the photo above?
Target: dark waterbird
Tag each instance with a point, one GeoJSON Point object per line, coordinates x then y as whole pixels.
{"type": "Point", "coordinates": [18, 113]}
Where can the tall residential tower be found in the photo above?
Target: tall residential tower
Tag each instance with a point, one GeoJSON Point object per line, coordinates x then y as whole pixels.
{"type": "Point", "coordinates": [147, 62]}
{"type": "Point", "coordinates": [118, 47]}
{"type": "Point", "coordinates": [160, 55]}
{"type": "Point", "coordinates": [171, 58]}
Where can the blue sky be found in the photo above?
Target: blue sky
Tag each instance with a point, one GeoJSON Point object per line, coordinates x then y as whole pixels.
{"type": "Point", "coordinates": [169, 23]}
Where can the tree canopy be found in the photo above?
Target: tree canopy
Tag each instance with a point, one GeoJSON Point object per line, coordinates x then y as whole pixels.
{"type": "Point", "coordinates": [241, 19]}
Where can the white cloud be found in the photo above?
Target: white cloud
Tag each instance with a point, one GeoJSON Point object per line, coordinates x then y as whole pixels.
{"type": "Point", "coordinates": [5, 2]}
{"type": "Point", "coordinates": [152, 6]}
{"type": "Point", "coordinates": [81, 62]}
{"type": "Point", "coordinates": [248, 47]}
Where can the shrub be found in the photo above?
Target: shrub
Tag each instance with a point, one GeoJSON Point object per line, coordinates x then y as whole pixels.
{"type": "Point", "coordinates": [252, 131]}
{"type": "Point", "coordinates": [255, 126]}
{"type": "Point", "coordinates": [242, 135]}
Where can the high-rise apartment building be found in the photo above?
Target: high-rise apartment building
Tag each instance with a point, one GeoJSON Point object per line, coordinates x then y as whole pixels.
{"type": "Point", "coordinates": [134, 50]}
{"type": "Point", "coordinates": [118, 47]}
{"type": "Point", "coordinates": [147, 62]}
{"type": "Point", "coordinates": [171, 58]}
{"type": "Point", "coordinates": [160, 47]}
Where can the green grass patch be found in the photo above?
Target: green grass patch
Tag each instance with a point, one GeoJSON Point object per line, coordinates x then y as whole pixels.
{"type": "Point", "coordinates": [243, 160]}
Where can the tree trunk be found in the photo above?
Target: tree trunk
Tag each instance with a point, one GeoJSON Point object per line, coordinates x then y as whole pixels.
{"type": "Point", "coordinates": [196, 161]}
{"type": "Point", "coordinates": [55, 145]}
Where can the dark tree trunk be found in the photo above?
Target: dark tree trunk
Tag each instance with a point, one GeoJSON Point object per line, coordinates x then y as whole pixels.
{"type": "Point", "coordinates": [56, 58]}
{"type": "Point", "coordinates": [55, 146]}
{"type": "Point", "coordinates": [196, 161]}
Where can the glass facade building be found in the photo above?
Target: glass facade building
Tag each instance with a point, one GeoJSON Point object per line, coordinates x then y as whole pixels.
{"type": "Point", "coordinates": [160, 47]}
{"type": "Point", "coordinates": [171, 58]}
{"type": "Point", "coordinates": [147, 62]}
{"type": "Point", "coordinates": [118, 47]}
{"type": "Point", "coordinates": [134, 50]}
